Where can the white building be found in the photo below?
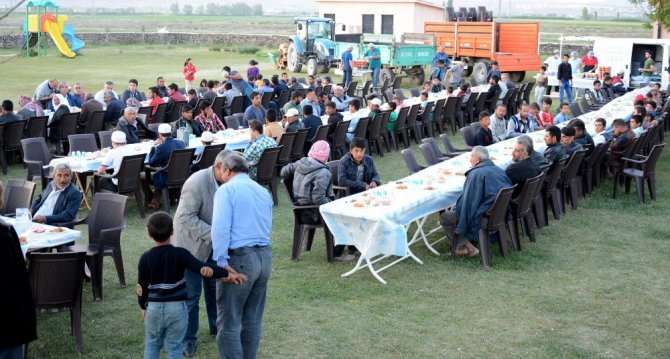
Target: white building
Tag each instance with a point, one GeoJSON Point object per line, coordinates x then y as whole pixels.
{"type": "Point", "coordinates": [381, 16]}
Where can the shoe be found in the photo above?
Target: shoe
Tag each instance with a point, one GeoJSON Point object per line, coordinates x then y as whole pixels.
{"type": "Point", "coordinates": [189, 349]}
{"type": "Point", "coordinates": [345, 258]}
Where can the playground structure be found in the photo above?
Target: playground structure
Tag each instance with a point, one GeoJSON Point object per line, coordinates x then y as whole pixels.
{"type": "Point", "coordinates": [42, 23]}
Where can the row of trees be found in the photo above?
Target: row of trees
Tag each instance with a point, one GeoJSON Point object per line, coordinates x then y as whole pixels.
{"type": "Point", "coordinates": [236, 9]}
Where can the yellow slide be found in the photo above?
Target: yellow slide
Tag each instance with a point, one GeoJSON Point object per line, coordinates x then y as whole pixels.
{"type": "Point", "coordinates": [52, 28]}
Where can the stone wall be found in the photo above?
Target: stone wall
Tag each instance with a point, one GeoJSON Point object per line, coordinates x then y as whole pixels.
{"type": "Point", "coordinates": [8, 41]}
{"type": "Point", "coordinates": [548, 49]}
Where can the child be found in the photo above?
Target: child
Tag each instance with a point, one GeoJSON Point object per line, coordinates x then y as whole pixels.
{"type": "Point", "coordinates": [426, 86]}
{"type": "Point", "coordinates": [648, 121]}
{"type": "Point", "coordinates": [636, 125]}
{"type": "Point", "coordinates": [393, 117]}
{"type": "Point", "coordinates": [541, 81]}
{"type": "Point", "coordinates": [436, 85]}
{"type": "Point", "coordinates": [253, 71]}
{"type": "Point", "coordinates": [450, 91]}
{"type": "Point", "coordinates": [563, 115]}
{"type": "Point", "coordinates": [161, 290]}
{"type": "Point", "coordinates": [534, 115]}
{"type": "Point", "coordinates": [546, 117]}
{"type": "Point", "coordinates": [189, 73]}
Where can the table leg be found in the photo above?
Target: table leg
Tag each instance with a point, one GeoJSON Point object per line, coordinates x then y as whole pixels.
{"type": "Point", "coordinates": [420, 234]}
{"type": "Point", "coordinates": [84, 189]}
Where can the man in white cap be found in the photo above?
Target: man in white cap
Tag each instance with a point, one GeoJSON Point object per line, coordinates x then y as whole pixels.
{"type": "Point", "coordinates": [340, 98]}
{"type": "Point", "coordinates": [113, 160]}
{"type": "Point", "coordinates": [291, 121]}
{"type": "Point", "coordinates": [206, 139]}
{"type": "Point", "coordinates": [374, 106]}
{"type": "Point", "coordinates": [159, 156]}
{"type": "Point", "coordinates": [374, 57]}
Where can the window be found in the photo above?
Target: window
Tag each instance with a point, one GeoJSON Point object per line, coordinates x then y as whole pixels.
{"type": "Point", "coordinates": [330, 16]}
{"type": "Point", "coordinates": [387, 24]}
{"type": "Point", "coordinates": [368, 24]}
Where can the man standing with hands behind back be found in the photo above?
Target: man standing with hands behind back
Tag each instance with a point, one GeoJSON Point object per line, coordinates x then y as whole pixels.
{"type": "Point", "coordinates": [374, 57]}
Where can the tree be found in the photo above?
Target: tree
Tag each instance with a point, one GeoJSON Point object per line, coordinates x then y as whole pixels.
{"type": "Point", "coordinates": [187, 9]}
{"type": "Point", "coordinates": [450, 3]}
{"type": "Point", "coordinates": [595, 15]}
{"type": "Point", "coordinates": [585, 14]}
{"type": "Point", "coordinates": [617, 14]}
{"type": "Point", "coordinates": [174, 8]}
{"type": "Point", "coordinates": [655, 11]}
{"type": "Point", "coordinates": [257, 10]}
{"type": "Point", "coordinates": [200, 10]}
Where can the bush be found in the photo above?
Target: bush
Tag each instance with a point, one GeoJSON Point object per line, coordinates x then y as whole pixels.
{"type": "Point", "coordinates": [248, 49]}
{"type": "Point", "coordinates": [215, 48]}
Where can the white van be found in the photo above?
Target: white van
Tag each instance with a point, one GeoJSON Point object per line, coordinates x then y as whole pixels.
{"type": "Point", "coordinates": [628, 55]}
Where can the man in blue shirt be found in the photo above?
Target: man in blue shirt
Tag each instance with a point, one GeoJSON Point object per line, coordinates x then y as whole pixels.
{"type": "Point", "coordinates": [440, 71]}
{"type": "Point", "coordinates": [241, 225]}
{"type": "Point", "coordinates": [256, 111]}
{"type": "Point", "coordinates": [310, 99]}
{"type": "Point", "coordinates": [374, 57]}
{"type": "Point", "coordinates": [440, 55]}
{"type": "Point", "coordinates": [159, 156]}
{"type": "Point", "coordinates": [345, 65]}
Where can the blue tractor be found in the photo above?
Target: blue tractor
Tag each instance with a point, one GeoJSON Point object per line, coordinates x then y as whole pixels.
{"type": "Point", "coordinates": [313, 45]}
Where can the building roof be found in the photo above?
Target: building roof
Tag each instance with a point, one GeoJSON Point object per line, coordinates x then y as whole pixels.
{"type": "Point", "coordinates": [417, 2]}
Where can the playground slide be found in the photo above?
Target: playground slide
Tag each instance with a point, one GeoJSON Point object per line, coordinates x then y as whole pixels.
{"type": "Point", "coordinates": [75, 43]}
{"type": "Point", "coordinates": [52, 28]}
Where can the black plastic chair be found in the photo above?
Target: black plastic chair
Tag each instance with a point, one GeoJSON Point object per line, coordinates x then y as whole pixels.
{"type": "Point", "coordinates": [339, 146]}
{"type": "Point", "coordinates": [571, 180]}
{"type": "Point", "coordinates": [208, 155]}
{"type": "Point", "coordinates": [435, 149]}
{"type": "Point", "coordinates": [340, 191]}
{"type": "Point", "coordinates": [401, 128]}
{"type": "Point", "coordinates": [145, 113]}
{"type": "Point", "coordinates": [105, 139]}
{"type": "Point", "coordinates": [411, 123]}
{"type": "Point", "coordinates": [56, 281]}
{"type": "Point", "coordinates": [17, 194]}
{"type": "Point", "coordinates": [36, 127]}
{"type": "Point", "coordinates": [11, 133]}
{"type": "Point", "coordinates": [437, 123]}
{"type": "Point", "coordinates": [128, 178]}
{"type": "Point", "coordinates": [412, 166]}
{"type": "Point", "coordinates": [84, 142]}
{"type": "Point", "coordinates": [320, 135]}
{"type": "Point", "coordinates": [374, 134]}
{"type": "Point", "coordinates": [302, 230]}
{"type": "Point", "coordinates": [231, 122]}
{"type": "Point", "coordinates": [105, 221]}
{"type": "Point", "coordinates": [451, 150]}
{"type": "Point", "coordinates": [286, 143]}
{"type": "Point", "coordinates": [217, 107]}
{"type": "Point", "coordinates": [177, 171]}
{"type": "Point", "coordinates": [451, 109]}
{"type": "Point", "coordinates": [96, 122]}
{"type": "Point", "coordinates": [237, 105]}
{"type": "Point", "coordinates": [551, 192]}
{"type": "Point", "coordinates": [299, 144]}
{"type": "Point", "coordinates": [175, 110]}
{"type": "Point", "coordinates": [35, 156]}
{"type": "Point", "coordinates": [66, 127]}
{"type": "Point", "coordinates": [362, 128]}
{"type": "Point", "coordinates": [428, 154]}
{"type": "Point", "coordinates": [284, 97]}
{"type": "Point", "coordinates": [523, 210]}
{"type": "Point", "coordinates": [266, 173]}
{"type": "Point", "coordinates": [646, 170]}
{"type": "Point", "coordinates": [160, 116]}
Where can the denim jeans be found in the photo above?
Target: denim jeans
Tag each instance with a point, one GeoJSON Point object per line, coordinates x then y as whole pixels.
{"type": "Point", "coordinates": [165, 322]}
{"type": "Point", "coordinates": [539, 94]}
{"type": "Point", "coordinates": [567, 88]}
{"type": "Point", "coordinates": [375, 76]}
{"type": "Point", "coordinates": [241, 307]}
{"type": "Point", "coordinates": [194, 286]}
{"type": "Point", "coordinates": [347, 76]}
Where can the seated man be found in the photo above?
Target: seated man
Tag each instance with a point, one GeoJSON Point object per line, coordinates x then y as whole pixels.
{"type": "Point", "coordinates": [537, 157]}
{"type": "Point", "coordinates": [493, 88]}
{"type": "Point", "coordinates": [7, 114]}
{"type": "Point", "coordinates": [187, 120]}
{"type": "Point", "coordinates": [257, 144]}
{"type": "Point", "coordinates": [206, 139]}
{"type": "Point", "coordinates": [623, 137]}
{"type": "Point", "coordinates": [91, 105]}
{"type": "Point", "coordinates": [109, 87]}
{"type": "Point", "coordinates": [504, 78]}
{"type": "Point", "coordinates": [582, 137]}
{"type": "Point", "coordinates": [498, 129]}
{"type": "Point", "coordinates": [568, 141]}
{"type": "Point", "coordinates": [340, 99]}
{"type": "Point", "coordinates": [291, 121]}
{"type": "Point", "coordinates": [482, 184]}
{"type": "Point", "coordinates": [354, 107]}
{"type": "Point", "coordinates": [60, 201]}
{"type": "Point", "coordinates": [256, 111]}
{"type": "Point", "coordinates": [523, 166]}
{"type": "Point", "coordinates": [519, 123]}
{"type": "Point", "coordinates": [174, 94]}
{"type": "Point", "coordinates": [554, 150]}
{"type": "Point", "coordinates": [310, 121]}
{"type": "Point", "coordinates": [636, 125]}
{"type": "Point", "coordinates": [484, 136]}
{"type": "Point", "coordinates": [273, 129]}
{"type": "Point", "coordinates": [134, 129]}
{"type": "Point", "coordinates": [356, 170]}
{"type": "Point", "coordinates": [600, 136]}
{"type": "Point", "coordinates": [334, 117]}
{"type": "Point", "coordinates": [296, 98]}
{"type": "Point", "coordinates": [113, 159]}
{"type": "Point", "coordinates": [313, 185]}
{"type": "Point", "coordinates": [598, 92]}
{"type": "Point", "coordinates": [112, 111]}
{"type": "Point", "coordinates": [159, 156]}
{"type": "Point", "coordinates": [310, 99]}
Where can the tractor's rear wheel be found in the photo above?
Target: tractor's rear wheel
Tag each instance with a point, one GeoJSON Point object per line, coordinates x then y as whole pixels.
{"type": "Point", "coordinates": [293, 61]}
{"type": "Point", "coordinates": [386, 74]}
{"type": "Point", "coordinates": [517, 76]}
{"type": "Point", "coordinates": [312, 66]}
{"type": "Point", "coordinates": [418, 77]}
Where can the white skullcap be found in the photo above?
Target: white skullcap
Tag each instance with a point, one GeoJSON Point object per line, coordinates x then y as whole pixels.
{"type": "Point", "coordinates": [376, 101]}
{"type": "Point", "coordinates": [164, 128]}
{"type": "Point", "coordinates": [291, 112]}
{"type": "Point", "coordinates": [207, 137]}
{"type": "Point", "coordinates": [118, 137]}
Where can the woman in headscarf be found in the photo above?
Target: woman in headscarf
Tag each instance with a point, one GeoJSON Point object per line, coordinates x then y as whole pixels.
{"type": "Point", "coordinates": [29, 108]}
{"type": "Point", "coordinates": [61, 107]}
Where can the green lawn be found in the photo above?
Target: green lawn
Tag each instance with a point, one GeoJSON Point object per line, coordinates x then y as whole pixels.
{"type": "Point", "coordinates": [595, 285]}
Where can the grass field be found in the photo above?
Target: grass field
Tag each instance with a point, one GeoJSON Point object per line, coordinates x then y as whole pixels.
{"type": "Point", "coordinates": [594, 285]}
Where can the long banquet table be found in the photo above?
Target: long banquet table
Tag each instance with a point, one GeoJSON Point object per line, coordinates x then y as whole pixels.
{"type": "Point", "coordinates": [377, 221]}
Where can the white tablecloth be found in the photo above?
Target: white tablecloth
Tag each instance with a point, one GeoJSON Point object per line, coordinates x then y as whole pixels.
{"type": "Point", "coordinates": [44, 239]}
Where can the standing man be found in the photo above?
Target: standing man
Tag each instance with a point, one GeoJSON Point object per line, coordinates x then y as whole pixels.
{"type": "Point", "coordinates": [575, 62]}
{"type": "Point", "coordinates": [241, 225]}
{"type": "Point", "coordinates": [192, 229]}
{"type": "Point", "coordinates": [564, 76]}
{"type": "Point", "coordinates": [649, 67]}
{"type": "Point", "coordinates": [374, 57]}
{"type": "Point", "coordinates": [552, 63]}
{"type": "Point", "coordinates": [345, 65]}
{"type": "Point", "coordinates": [455, 73]}
{"type": "Point", "coordinates": [440, 71]}
{"type": "Point", "coordinates": [45, 91]}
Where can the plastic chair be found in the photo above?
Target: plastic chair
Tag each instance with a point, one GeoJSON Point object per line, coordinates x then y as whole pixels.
{"type": "Point", "coordinates": [105, 222]}
{"type": "Point", "coordinates": [321, 134]}
{"type": "Point", "coordinates": [383, 130]}
{"type": "Point", "coordinates": [302, 230]}
{"type": "Point", "coordinates": [17, 194]}
{"type": "Point", "coordinates": [286, 143]}
{"type": "Point", "coordinates": [411, 122]}
{"type": "Point", "coordinates": [283, 98]}
{"type": "Point", "coordinates": [551, 192]}
{"type": "Point", "coordinates": [428, 154]}
{"type": "Point", "coordinates": [56, 281]}
{"type": "Point", "coordinates": [592, 162]}
{"type": "Point", "coordinates": [538, 200]}
{"type": "Point", "coordinates": [468, 109]}
{"type": "Point", "coordinates": [128, 178]}
{"type": "Point", "coordinates": [479, 104]}
{"type": "Point", "coordinates": [146, 112]}
{"type": "Point", "coordinates": [351, 90]}
{"type": "Point", "coordinates": [208, 155]}
{"type": "Point", "coordinates": [177, 171]}
{"type": "Point", "coordinates": [84, 142]}
{"type": "Point", "coordinates": [451, 150]}
{"type": "Point", "coordinates": [66, 127]}
{"type": "Point", "coordinates": [362, 128]}
{"type": "Point", "coordinates": [388, 95]}
{"type": "Point", "coordinates": [10, 134]}
{"type": "Point", "coordinates": [328, 89]}
{"type": "Point", "coordinates": [647, 171]}
{"type": "Point", "coordinates": [96, 122]}
{"type": "Point", "coordinates": [435, 149]}
{"type": "Point", "coordinates": [374, 134]}
{"type": "Point", "coordinates": [105, 139]}
{"type": "Point", "coordinates": [217, 106]}
{"type": "Point", "coordinates": [364, 90]}
{"type": "Point", "coordinates": [527, 91]}
{"type": "Point", "coordinates": [37, 127]}
{"type": "Point", "coordinates": [237, 105]}
{"type": "Point", "coordinates": [35, 156]}
{"type": "Point", "coordinates": [575, 110]}
{"type": "Point", "coordinates": [175, 110]}
{"type": "Point", "coordinates": [493, 102]}
{"type": "Point", "coordinates": [266, 173]}
{"type": "Point", "coordinates": [468, 136]}
{"type": "Point", "coordinates": [426, 125]}
{"type": "Point", "coordinates": [400, 94]}
{"type": "Point", "coordinates": [451, 109]}
{"type": "Point", "coordinates": [437, 123]}
{"type": "Point", "coordinates": [339, 146]}
{"type": "Point", "coordinates": [160, 114]}
{"type": "Point", "coordinates": [340, 191]}
{"type": "Point", "coordinates": [401, 128]}
{"type": "Point", "coordinates": [231, 122]}
{"type": "Point", "coordinates": [412, 166]}
{"type": "Point", "coordinates": [522, 210]}
{"type": "Point", "coordinates": [299, 144]}
{"type": "Point", "coordinates": [415, 92]}
{"type": "Point", "coordinates": [571, 180]}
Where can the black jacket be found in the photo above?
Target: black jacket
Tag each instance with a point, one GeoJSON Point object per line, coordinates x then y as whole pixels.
{"type": "Point", "coordinates": [519, 172]}
{"type": "Point", "coordinates": [564, 72]}
{"type": "Point", "coordinates": [17, 307]}
{"type": "Point", "coordinates": [554, 153]}
{"type": "Point", "coordinates": [332, 122]}
{"type": "Point", "coordinates": [348, 170]}
{"type": "Point", "coordinates": [133, 135]}
{"type": "Point", "coordinates": [66, 207]}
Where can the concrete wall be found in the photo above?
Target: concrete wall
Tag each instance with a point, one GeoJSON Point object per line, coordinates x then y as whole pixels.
{"type": "Point", "coordinates": [120, 38]}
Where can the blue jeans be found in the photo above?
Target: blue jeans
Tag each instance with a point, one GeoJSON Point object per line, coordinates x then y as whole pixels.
{"type": "Point", "coordinates": [241, 307]}
{"type": "Point", "coordinates": [165, 322]}
{"type": "Point", "coordinates": [194, 284]}
{"type": "Point", "coordinates": [565, 88]}
{"type": "Point", "coordinates": [347, 75]}
{"type": "Point", "coordinates": [375, 76]}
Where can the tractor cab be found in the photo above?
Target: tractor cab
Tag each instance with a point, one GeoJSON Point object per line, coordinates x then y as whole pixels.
{"type": "Point", "coordinates": [312, 45]}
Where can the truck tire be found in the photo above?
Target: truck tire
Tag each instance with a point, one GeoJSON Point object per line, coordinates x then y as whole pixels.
{"type": "Point", "coordinates": [418, 77]}
{"type": "Point", "coordinates": [517, 76]}
{"type": "Point", "coordinates": [324, 69]}
{"type": "Point", "coordinates": [293, 59]}
{"type": "Point", "coordinates": [312, 66]}
{"type": "Point", "coordinates": [480, 70]}
{"type": "Point", "coordinates": [386, 74]}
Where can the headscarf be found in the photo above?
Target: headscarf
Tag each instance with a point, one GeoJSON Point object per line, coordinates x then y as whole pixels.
{"type": "Point", "coordinates": [133, 102]}
{"type": "Point", "coordinates": [27, 103]}
{"type": "Point", "coordinates": [63, 102]}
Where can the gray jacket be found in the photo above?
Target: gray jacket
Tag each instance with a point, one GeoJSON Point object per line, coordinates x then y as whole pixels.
{"type": "Point", "coordinates": [312, 181]}
{"type": "Point", "coordinates": [193, 219]}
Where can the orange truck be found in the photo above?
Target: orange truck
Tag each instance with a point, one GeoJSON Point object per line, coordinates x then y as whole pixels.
{"type": "Point", "coordinates": [513, 44]}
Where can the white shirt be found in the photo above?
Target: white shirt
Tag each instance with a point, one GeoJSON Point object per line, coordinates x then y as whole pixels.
{"type": "Point", "coordinates": [503, 91]}
{"type": "Point", "coordinates": [552, 65]}
{"type": "Point", "coordinates": [47, 208]}
{"type": "Point", "coordinates": [599, 138]}
{"type": "Point", "coordinates": [113, 160]}
{"type": "Point", "coordinates": [100, 96]}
